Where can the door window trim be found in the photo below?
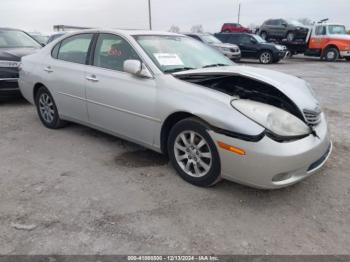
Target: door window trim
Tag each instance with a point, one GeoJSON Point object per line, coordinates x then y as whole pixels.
{"type": "Point", "coordinates": [60, 45]}
{"type": "Point", "coordinates": [93, 50]}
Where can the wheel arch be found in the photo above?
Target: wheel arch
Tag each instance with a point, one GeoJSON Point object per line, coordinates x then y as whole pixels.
{"type": "Point", "coordinates": [36, 88]}
{"type": "Point", "coordinates": [169, 123]}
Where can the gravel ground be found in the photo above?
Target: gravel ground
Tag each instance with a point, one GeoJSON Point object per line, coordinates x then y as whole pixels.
{"type": "Point", "coordinates": [79, 191]}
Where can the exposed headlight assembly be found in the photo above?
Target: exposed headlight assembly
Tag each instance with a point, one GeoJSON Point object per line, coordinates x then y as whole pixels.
{"type": "Point", "coordinates": [12, 64]}
{"type": "Point", "coordinates": [279, 123]}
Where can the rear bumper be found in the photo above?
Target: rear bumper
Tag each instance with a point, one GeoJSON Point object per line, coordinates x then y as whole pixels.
{"type": "Point", "coordinates": [9, 88]}
{"type": "Point", "coordinates": [271, 165]}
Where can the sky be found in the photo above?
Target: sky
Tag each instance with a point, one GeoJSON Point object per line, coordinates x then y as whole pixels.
{"type": "Point", "coordinates": [41, 15]}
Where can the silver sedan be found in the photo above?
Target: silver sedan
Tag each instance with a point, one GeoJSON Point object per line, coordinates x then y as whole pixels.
{"type": "Point", "coordinates": [215, 120]}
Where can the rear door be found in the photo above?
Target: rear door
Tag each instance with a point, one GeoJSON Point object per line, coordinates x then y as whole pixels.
{"type": "Point", "coordinates": [248, 49]}
{"type": "Point", "coordinates": [65, 75]}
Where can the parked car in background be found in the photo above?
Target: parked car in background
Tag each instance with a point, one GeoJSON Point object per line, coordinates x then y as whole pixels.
{"type": "Point", "coordinates": [176, 95]}
{"type": "Point", "coordinates": [42, 39]}
{"type": "Point", "coordinates": [14, 44]}
{"type": "Point", "coordinates": [253, 46]}
{"type": "Point", "coordinates": [230, 50]}
{"type": "Point", "coordinates": [55, 36]}
{"type": "Point", "coordinates": [283, 29]}
{"type": "Point", "coordinates": [235, 27]}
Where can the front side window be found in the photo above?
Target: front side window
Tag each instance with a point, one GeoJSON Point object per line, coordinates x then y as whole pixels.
{"type": "Point", "coordinates": [75, 49]}
{"type": "Point", "coordinates": [16, 39]}
{"type": "Point", "coordinates": [112, 51]}
{"type": "Point", "coordinates": [178, 53]}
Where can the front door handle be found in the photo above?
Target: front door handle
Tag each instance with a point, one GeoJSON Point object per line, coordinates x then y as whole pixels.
{"type": "Point", "coordinates": [48, 69]}
{"type": "Point", "coordinates": [92, 78]}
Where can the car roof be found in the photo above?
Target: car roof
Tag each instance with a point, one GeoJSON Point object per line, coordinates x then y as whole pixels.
{"type": "Point", "coordinates": [125, 32]}
{"type": "Point", "coordinates": [10, 29]}
{"type": "Point", "coordinates": [234, 33]}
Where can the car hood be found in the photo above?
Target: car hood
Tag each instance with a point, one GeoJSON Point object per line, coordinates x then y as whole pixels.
{"type": "Point", "coordinates": [15, 54]}
{"type": "Point", "coordinates": [293, 87]}
{"type": "Point", "coordinates": [225, 45]}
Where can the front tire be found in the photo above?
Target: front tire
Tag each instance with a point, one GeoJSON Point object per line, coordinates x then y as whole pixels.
{"type": "Point", "coordinates": [331, 54]}
{"type": "Point", "coordinates": [47, 109]}
{"type": "Point", "coordinates": [265, 57]}
{"type": "Point", "coordinates": [193, 153]}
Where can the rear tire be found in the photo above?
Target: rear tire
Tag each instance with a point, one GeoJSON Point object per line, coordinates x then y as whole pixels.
{"type": "Point", "coordinates": [331, 54]}
{"type": "Point", "coordinates": [347, 58]}
{"type": "Point", "coordinates": [193, 153]}
{"type": "Point", "coordinates": [265, 57]}
{"type": "Point", "coordinates": [47, 109]}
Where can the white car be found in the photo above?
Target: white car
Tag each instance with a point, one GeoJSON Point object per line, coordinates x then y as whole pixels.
{"type": "Point", "coordinates": [179, 97]}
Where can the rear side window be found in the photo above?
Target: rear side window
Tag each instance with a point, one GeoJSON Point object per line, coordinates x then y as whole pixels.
{"type": "Point", "coordinates": [75, 49]}
{"type": "Point", "coordinates": [55, 50]}
{"type": "Point", "coordinates": [234, 39]}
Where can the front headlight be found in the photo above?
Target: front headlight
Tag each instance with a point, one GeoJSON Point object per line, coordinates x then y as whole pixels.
{"type": "Point", "coordinates": [275, 120]}
{"type": "Point", "coordinates": [12, 64]}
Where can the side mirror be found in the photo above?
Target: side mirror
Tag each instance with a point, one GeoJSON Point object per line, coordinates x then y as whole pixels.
{"type": "Point", "coordinates": [285, 24]}
{"type": "Point", "coordinates": [42, 44]}
{"type": "Point", "coordinates": [135, 67]}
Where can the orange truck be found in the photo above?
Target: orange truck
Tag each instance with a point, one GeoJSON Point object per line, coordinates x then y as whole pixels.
{"type": "Point", "coordinates": [329, 41]}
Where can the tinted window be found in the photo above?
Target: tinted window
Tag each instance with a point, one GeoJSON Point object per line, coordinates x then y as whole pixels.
{"type": "Point", "coordinates": [245, 39]}
{"type": "Point", "coordinates": [16, 39]}
{"type": "Point", "coordinates": [320, 30]}
{"type": "Point", "coordinates": [274, 22]}
{"type": "Point", "coordinates": [268, 22]}
{"type": "Point", "coordinates": [75, 49]}
{"type": "Point", "coordinates": [234, 39]}
{"type": "Point", "coordinates": [112, 51]}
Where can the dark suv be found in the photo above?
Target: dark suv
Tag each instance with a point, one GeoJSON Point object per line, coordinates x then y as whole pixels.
{"type": "Point", "coordinates": [14, 44]}
{"type": "Point", "coordinates": [253, 46]}
{"type": "Point", "coordinates": [283, 29]}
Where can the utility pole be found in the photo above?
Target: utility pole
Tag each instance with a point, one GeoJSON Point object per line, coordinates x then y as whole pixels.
{"type": "Point", "coordinates": [150, 14]}
{"type": "Point", "coordinates": [239, 12]}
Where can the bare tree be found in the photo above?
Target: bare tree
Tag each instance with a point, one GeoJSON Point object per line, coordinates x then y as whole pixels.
{"type": "Point", "coordinates": [197, 29]}
{"type": "Point", "coordinates": [174, 29]}
{"type": "Point", "coordinates": [305, 21]}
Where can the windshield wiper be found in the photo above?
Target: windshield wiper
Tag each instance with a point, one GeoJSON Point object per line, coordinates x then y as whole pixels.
{"type": "Point", "coordinates": [179, 69]}
{"type": "Point", "coordinates": [214, 65]}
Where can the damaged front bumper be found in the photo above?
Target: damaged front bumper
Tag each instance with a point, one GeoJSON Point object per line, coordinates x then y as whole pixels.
{"type": "Point", "coordinates": [268, 164]}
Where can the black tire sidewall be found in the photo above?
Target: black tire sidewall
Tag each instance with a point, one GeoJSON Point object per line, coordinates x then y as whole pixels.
{"type": "Point", "coordinates": [331, 49]}
{"type": "Point", "coordinates": [271, 58]}
{"type": "Point", "coordinates": [193, 124]}
{"type": "Point", "coordinates": [56, 121]}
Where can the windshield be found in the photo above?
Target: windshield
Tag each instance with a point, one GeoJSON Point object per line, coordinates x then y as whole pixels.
{"type": "Point", "coordinates": [336, 30]}
{"type": "Point", "coordinates": [259, 39]}
{"type": "Point", "coordinates": [41, 38]}
{"type": "Point", "coordinates": [210, 39]}
{"type": "Point", "coordinates": [178, 53]}
{"type": "Point", "coordinates": [295, 23]}
{"type": "Point", "coordinates": [16, 39]}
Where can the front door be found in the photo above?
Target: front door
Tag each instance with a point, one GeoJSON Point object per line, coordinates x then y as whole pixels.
{"type": "Point", "coordinates": [118, 101]}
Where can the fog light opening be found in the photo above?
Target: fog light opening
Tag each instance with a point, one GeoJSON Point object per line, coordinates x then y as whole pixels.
{"type": "Point", "coordinates": [281, 177]}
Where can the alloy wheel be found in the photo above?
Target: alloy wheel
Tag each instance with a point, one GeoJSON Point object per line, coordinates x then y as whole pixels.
{"type": "Point", "coordinates": [193, 154]}
{"type": "Point", "coordinates": [46, 107]}
{"type": "Point", "coordinates": [265, 58]}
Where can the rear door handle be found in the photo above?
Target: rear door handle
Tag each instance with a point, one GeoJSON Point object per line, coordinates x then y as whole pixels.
{"type": "Point", "coordinates": [92, 78]}
{"type": "Point", "coordinates": [48, 69]}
